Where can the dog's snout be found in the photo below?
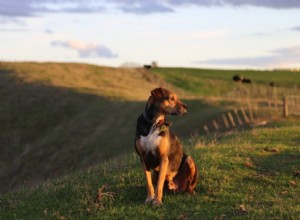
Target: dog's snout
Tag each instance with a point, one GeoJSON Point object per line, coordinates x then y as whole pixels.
{"type": "Point", "coordinates": [185, 106]}
{"type": "Point", "coordinates": [182, 104]}
{"type": "Point", "coordinates": [182, 108]}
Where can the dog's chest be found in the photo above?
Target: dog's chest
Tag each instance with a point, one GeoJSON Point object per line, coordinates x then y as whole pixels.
{"type": "Point", "coordinates": [150, 142]}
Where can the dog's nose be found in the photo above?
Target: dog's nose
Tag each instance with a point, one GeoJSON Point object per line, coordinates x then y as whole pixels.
{"type": "Point", "coordinates": [184, 105]}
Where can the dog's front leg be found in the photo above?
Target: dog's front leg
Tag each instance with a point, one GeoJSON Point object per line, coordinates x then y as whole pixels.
{"type": "Point", "coordinates": [150, 189]}
{"type": "Point", "coordinates": [161, 180]}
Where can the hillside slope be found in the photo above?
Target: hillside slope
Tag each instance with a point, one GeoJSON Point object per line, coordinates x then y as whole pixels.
{"type": "Point", "coordinates": [55, 118]}
{"type": "Point", "coordinates": [120, 83]}
{"type": "Point", "coordinates": [61, 117]}
{"type": "Point", "coordinates": [248, 175]}
{"type": "Point", "coordinates": [209, 82]}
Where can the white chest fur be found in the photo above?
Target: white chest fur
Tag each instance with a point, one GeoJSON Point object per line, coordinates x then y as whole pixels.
{"type": "Point", "coordinates": [151, 141]}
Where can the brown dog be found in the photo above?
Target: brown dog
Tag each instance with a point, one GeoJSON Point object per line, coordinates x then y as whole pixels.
{"type": "Point", "coordinates": [160, 150]}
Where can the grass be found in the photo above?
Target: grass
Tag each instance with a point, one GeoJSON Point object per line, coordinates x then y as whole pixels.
{"type": "Point", "coordinates": [67, 131]}
{"type": "Point", "coordinates": [219, 82]}
{"type": "Point", "coordinates": [239, 179]}
{"type": "Point", "coordinates": [63, 117]}
{"type": "Point", "coordinates": [113, 83]}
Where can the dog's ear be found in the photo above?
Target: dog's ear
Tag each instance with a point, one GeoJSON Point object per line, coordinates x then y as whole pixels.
{"type": "Point", "coordinates": [158, 93]}
{"type": "Point", "coordinates": [150, 102]}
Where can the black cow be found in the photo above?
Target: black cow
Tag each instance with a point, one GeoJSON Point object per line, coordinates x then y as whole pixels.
{"type": "Point", "coordinates": [245, 80]}
{"type": "Point", "coordinates": [237, 78]}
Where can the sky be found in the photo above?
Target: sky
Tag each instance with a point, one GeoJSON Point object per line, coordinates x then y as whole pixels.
{"type": "Point", "coordinates": [255, 34]}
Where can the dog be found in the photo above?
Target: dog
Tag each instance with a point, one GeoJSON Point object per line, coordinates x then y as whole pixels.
{"type": "Point", "coordinates": [160, 150]}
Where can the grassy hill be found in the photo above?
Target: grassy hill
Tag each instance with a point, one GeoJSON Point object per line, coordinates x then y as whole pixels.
{"type": "Point", "coordinates": [248, 175]}
{"type": "Point", "coordinates": [219, 82]}
{"type": "Point", "coordinates": [78, 120]}
{"type": "Point", "coordinates": [56, 118]}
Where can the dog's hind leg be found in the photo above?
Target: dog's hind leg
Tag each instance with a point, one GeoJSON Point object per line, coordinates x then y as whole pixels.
{"type": "Point", "coordinates": [186, 178]}
{"type": "Point", "coordinates": [193, 177]}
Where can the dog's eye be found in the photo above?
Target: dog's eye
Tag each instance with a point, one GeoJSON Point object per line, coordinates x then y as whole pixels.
{"type": "Point", "coordinates": [172, 98]}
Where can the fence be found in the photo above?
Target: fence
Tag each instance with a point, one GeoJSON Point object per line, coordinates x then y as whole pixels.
{"type": "Point", "coordinates": [254, 106]}
{"type": "Point", "coordinates": [291, 105]}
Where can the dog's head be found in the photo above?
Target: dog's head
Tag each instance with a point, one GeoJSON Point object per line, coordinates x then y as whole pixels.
{"type": "Point", "coordinates": [167, 102]}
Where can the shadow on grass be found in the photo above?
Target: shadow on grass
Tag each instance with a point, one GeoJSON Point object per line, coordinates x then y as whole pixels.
{"type": "Point", "coordinates": [48, 131]}
{"type": "Point", "coordinates": [284, 162]}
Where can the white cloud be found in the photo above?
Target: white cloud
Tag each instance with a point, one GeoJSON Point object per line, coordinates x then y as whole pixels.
{"type": "Point", "coordinates": [86, 50]}
{"type": "Point", "coordinates": [283, 57]}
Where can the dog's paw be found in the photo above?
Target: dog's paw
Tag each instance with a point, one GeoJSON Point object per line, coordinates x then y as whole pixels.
{"type": "Point", "coordinates": [192, 193]}
{"type": "Point", "coordinates": [156, 204]}
{"type": "Point", "coordinates": [149, 199]}
{"type": "Point", "coordinates": [172, 186]}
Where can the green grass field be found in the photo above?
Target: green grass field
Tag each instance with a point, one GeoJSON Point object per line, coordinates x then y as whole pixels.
{"type": "Point", "coordinates": [66, 117]}
{"type": "Point", "coordinates": [218, 82]}
{"type": "Point", "coordinates": [248, 175]}
{"type": "Point", "coordinates": [66, 130]}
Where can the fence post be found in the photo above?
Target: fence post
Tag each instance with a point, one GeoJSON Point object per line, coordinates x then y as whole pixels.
{"type": "Point", "coordinates": [250, 111]}
{"type": "Point", "coordinates": [225, 121]}
{"type": "Point", "coordinates": [285, 107]}
{"type": "Point", "coordinates": [215, 124]}
{"type": "Point", "coordinates": [206, 129]}
{"type": "Point", "coordinates": [246, 119]}
{"type": "Point", "coordinates": [231, 119]}
{"type": "Point", "coordinates": [235, 111]}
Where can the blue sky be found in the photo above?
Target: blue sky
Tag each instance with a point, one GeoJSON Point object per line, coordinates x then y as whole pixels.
{"type": "Point", "coordinates": [188, 33]}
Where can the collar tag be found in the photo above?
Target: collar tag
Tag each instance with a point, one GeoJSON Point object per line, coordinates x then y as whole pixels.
{"type": "Point", "coordinates": [163, 128]}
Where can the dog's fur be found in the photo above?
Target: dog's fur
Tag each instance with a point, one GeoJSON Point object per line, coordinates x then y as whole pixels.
{"type": "Point", "coordinates": [160, 150]}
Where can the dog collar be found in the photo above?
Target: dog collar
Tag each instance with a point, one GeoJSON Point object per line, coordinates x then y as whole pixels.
{"type": "Point", "coordinates": [147, 118]}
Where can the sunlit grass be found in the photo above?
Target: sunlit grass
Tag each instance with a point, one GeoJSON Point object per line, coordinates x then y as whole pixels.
{"type": "Point", "coordinates": [239, 178]}
{"type": "Point", "coordinates": [58, 119]}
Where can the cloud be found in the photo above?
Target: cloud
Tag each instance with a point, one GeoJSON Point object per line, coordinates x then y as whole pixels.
{"type": "Point", "coordinates": [279, 58]}
{"type": "Point", "coordinates": [15, 8]}
{"type": "Point", "coordinates": [13, 29]}
{"type": "Point", "coordinates": [25, 8]}
{"type": "Point", "coordinates": [48, 31]}
{"type": "Point", "coordinates": [146, 7]}
{"type": "Point", "coordinates": [152, 6]}
{"type": "Point", "coordinates": [295, 28]}
{"type": "Point", "coordinates": [86, 50]}
{"type": "Point", "coordinates": [29, 8]}
{"type": "Point", "coordinates": [276, 4]}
